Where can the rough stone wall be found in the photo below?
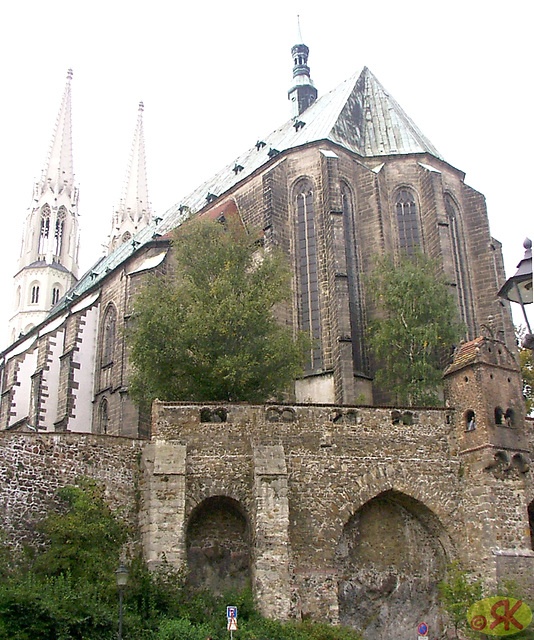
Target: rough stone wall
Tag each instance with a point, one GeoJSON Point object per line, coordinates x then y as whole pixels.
{"type": "Point", "coordinates": [301, 474]}
{"type": "Point", "coordinates": [34, 466]}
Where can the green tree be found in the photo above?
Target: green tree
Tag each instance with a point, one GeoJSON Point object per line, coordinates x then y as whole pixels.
{"type": "Point", "coordinates": [206, 331]}
{"type": "Point", "coordinates": [526, 362]}
{"type": "Point", "coordinates": [458, 592]}
{"type": "Point", "coordinates": [84, 537]}
{"type": "Point", "coordinates": [417, 327]}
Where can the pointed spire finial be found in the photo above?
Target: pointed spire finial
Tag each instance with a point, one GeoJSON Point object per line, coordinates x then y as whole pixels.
{"type": "Point", "coordinates": [58, 173]}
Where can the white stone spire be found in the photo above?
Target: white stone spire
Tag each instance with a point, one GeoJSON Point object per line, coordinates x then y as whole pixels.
{"type": "Point", "coordinates": [133, 212]}
{"type": "Point", "coordinates": [48, 264]}
{"type": "Point", "coordinates": [59, 174]}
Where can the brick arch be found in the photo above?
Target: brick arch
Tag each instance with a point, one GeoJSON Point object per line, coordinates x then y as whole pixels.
{"type": "Point", "coordinates": [389, 561]}
{"type": "Point", "coordinates": [218, 545]}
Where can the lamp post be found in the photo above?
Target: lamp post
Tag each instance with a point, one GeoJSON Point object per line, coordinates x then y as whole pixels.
{"type": "Point", "coordinates": [122, 578]}
{"type": "Point", "coordinates": [518, 289]}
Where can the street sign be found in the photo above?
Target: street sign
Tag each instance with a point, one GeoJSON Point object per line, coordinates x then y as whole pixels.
{"type": "Point", "coordinates": [232, 624]}
{"type": "Point", "coordinates": [422, 629]}
{"type": "Point", "coordinates": [231, 612]}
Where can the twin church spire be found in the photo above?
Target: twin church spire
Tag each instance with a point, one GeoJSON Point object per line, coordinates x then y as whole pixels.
{"type": "Point", "coordinates": [48, 263]}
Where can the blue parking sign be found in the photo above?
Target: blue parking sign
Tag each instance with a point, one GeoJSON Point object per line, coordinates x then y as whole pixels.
{"type": "Point", "coordinates": [231, 612]}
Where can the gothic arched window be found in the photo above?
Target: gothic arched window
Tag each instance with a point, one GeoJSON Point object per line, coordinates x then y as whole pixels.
{"type": "Point", "coordinates": [460, 271]}
{"type": "Point", "coordinates": [306, 245]}
{"type": "Point", "coordinates": [56, 291]}
{"type": "Point", "coordinates": [357, 327]}
{"type": "Point", "coordinates": [108, 338]}
{"type": "Point", "coordinates": [34, 293]}
{"type": "Point", "coordinates": [44, 230]}
{"type": "Point", "coordinates": [407, 221]}
{"type": "Point", "coordinates": [58, 234]}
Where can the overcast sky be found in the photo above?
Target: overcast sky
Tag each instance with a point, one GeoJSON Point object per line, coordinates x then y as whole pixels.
{"type": "Point", "coordinates": [214, 78]}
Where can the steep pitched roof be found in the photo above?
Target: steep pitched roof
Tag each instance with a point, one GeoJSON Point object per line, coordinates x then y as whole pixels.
{"type": "Point", "coordinates": [359, 115]}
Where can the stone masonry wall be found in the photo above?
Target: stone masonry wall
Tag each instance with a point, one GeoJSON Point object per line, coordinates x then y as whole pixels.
{"type": "Point", "coordinates": [33, 466]}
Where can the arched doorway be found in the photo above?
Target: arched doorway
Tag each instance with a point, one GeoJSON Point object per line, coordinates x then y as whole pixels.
{"type": "Point", "coordinates": [390, 559]}
{"type": "Point", "coordinates": [218, 546]}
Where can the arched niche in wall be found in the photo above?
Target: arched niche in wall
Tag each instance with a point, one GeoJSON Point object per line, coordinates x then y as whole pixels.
{"type": "Point", "coordinates": [218, 546]}
{"type": "Point", "coordinates": [390, 560]}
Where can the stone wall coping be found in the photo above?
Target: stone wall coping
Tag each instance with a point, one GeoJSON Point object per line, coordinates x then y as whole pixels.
{"type": "Point", "coordinates": [211, 403]}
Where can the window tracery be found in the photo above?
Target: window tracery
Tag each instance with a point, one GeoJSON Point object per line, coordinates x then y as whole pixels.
{"type": "Point", "coordinates": [407, 221]}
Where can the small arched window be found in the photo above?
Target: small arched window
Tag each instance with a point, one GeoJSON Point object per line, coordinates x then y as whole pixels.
{"type": "Point", "coordinates": [44, 230]}
{"type": "Point", "coordinates": [407, 221]}
{"type": "Point", "coordinates": [110, 322]}
{"type": "Point", "coordinates": [34, 294]}
{"type": "Point", "coordinates": [499, 416]}
{"type": "Point", "coordinates": [17, 298]}
{"type": "Point", "coordinates": [469, 420]}
{"type": "Point", "coordinates": [509, 418]}
{"type": "Point", "coordinates": [56, 292]}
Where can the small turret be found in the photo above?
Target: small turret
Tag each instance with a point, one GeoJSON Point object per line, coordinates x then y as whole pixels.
{"type": "Point", "coordinates": [303, 92]}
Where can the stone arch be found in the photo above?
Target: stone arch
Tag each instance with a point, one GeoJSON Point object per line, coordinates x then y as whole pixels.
{"type": "Point", "coordinates": [218, 545]}
{"type": "Point", "coordinates": [390, 558]}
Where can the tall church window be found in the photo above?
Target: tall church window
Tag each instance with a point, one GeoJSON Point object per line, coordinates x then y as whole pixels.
{"type": "Point", "coordinates": [460, 272]}
{"type": "Point", "coordinates": [407, 221]}
{"type": "Point", "coordinates": [110, 322]}
{"type": "Point", "coordinates": [34, 298]}
{"type": "Point", "coordinates": [354, 281]}
{"type": "Point", "coordinates": [309, 316]}
{"type": "Point", "coordinates": [58, 233]}
{"type": "Point", "coordinates": [44, 230]}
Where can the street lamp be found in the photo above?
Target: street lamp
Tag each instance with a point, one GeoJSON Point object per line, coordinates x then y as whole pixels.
{"type": "Point", "coordinates": [122, 578]}
{"type": "Point", "coordinates": [518, 289]}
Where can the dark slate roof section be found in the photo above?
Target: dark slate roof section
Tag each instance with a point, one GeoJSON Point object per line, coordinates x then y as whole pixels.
{"type": "Point", "coordinates": [358, 115]}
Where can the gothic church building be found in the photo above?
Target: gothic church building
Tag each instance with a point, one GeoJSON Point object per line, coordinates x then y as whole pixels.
{"type": "Point", "coordinates": [347, 178]}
